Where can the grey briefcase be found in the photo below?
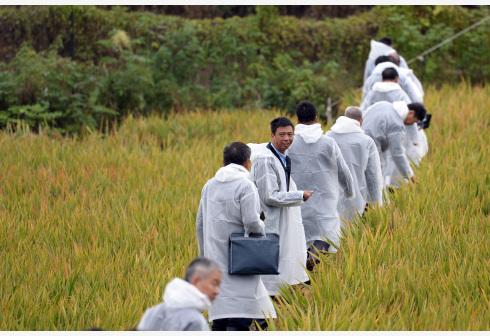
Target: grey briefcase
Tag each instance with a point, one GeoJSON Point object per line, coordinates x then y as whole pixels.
{"type": "Point", "coordinates": [256, 254]}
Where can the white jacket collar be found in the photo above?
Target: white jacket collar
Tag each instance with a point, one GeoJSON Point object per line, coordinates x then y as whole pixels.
{"type": "Point", "coordinates": [231, 172]}
{"type": "Point", "coordinates": [309, 133]}
{"type": "Point", "coordinates": [386, 86]}
{"type": "Point", "coordinates": [259, 150]}
{"type": "Point", "coordinates": [401, 108]}
{"type": "Point", "coordinates": [379, 49]}
{"type": "Point", "coordinates": [346, 125]}
{"type": "Point", "coordinates": [182, 294]}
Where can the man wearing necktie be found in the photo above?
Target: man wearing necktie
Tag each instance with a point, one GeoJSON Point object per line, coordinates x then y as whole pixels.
{"type": "Point", "coordinates": [280, 202]}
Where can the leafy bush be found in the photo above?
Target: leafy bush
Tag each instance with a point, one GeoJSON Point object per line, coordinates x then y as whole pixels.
{"type": "Point", "coordinates": [72, 67]}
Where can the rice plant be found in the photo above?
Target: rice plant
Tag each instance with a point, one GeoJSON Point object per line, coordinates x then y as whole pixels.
{"type": "Point", "coordinates": [93, 228]}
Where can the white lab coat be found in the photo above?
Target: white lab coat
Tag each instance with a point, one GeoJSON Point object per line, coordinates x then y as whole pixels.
{"type": "Point", "coordinates": [361, 155]}
{"type": "Point", "coordinates": [230, 203]}
{"type": "Point", "coordinates": [377, 49]}
{"type": "Point", "coordinates": [380, 49]}
{"type": "Point", "coordinates": [282, 216]}
{"type": "Point", "coordinates": [318, 165]}
{"type": "Point", "coordinates": [405, 80]}
{"type": "Point", "coordinates": [385, 91]}
{"type": "Point", "coordinates": [384, 123]}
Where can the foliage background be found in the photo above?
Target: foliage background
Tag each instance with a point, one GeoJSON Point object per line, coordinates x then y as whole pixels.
{"type": "Point", "coordinates": [75, 68]}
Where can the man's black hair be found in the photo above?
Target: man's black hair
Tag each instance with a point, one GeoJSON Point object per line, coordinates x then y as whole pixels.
{"type": "Point", "coordinates": [236, 152]}
{"type": "Point", "coordinates": [280, 122]}
{"type": "Point", "coordinates": [389, 74]}
{"type": "Point", "coordinates": [419, 110]}
{"type": "Point", "coordinates": [305, 111]}
{"type": "Point", "coordinates": [386, 40]}
{"type": "Point", "coordinates": [382, 59]}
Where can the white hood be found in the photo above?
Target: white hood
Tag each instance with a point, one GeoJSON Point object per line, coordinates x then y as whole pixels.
{"type": "Point", "coordinates": [402, 109]}
{"type": "Point", "coordinates": [386, 86]}
{"type": "Point", "coordinates": [379, 49]}
{"type": "Point", "coordinates": [309, 133]}
{"type": "Point", "coordinates": [231, 172]}
{"type": "Point", "coordinates": [346, 125]}
{"type": "Point", "coordinates": [182, 294]}
{"type": "Point", "coordinates": [384, 65]}
{"type": "Point", "coordinates": [258, 150]}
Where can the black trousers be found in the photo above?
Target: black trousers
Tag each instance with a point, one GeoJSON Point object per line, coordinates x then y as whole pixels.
{"type": "Point", "coordinates": [236, 324]}
{"type": "Point", "coordinates": [316, 248]}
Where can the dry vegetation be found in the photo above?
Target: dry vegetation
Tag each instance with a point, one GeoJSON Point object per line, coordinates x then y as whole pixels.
{"type": "Point", "coordinates": [92, 229]}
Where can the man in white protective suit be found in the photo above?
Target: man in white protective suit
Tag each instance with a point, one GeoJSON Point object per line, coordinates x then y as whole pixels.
{"type": "Point", "coordinates": [184, 300]}
{"type": "Point", "coordinates": [230, 204]}
{"type": "Point", "coordinates": [280, 202]}
{"type": "Point", "coordinates": [387, 90]}
{"type": "Point", "coordinates": [416, 140]}
{"type": "Point", "coordinates": [405, 79]}
{"type": "Point", "coordinates": [385, 123]}
{"type": "Point", "coordinates": [318, 164]}
{"type": "Point", "coordinates": [380, 48]}
{"type": "Point", "coordinates": [362, 157]}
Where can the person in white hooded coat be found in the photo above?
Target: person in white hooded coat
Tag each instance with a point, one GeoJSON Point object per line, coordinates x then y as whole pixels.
{"type": "Point", "coordinates": [318, 164]}
{"type": "Point", "coordinates": [362, 157]}
{"type": "Point", "coordinates": [229, 204]}
{"type": "Point", "coordinates": [385, 123]}
{"type": "Point", "coordinates": [184, 300]}
{"type": "Point", "coordinates": [405, 80]}
{"type": "Point", "coordinates": [280, 202]}
{"type": "Point", "coordinates": [415, 141]}
{"type": "Point", "coordinates": [387, 90]}
{"type": "Point", "coordinates": [380, 48]}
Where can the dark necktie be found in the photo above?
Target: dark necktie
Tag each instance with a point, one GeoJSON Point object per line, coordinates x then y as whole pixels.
{"type": "Point", "coordinates": [288, 171]}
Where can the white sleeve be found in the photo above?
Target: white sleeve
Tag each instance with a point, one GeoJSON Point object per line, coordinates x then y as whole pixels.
{"type": "Point", "coordinates": [265, 178]}
{"type": "Point", "coordinates": [374, 176]}
{"type": "Point", "coordinates": [250, 211]}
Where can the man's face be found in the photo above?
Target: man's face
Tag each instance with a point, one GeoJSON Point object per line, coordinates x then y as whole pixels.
{"type": "Point", "coordinates": [283, 138]}
{"type": "Point", "coordinates": [208, 285]}
{"type": "Point", "coordinates": [410, 119]}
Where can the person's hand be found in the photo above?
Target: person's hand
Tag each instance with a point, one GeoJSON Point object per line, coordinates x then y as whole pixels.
{"type": "Point", "coordinates": [307, 194]}
{"type": "Point", "coordinates": [412, 179]}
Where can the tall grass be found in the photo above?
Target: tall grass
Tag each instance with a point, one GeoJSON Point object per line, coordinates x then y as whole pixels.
{"type": "Point", "coordinates": [92, 229]}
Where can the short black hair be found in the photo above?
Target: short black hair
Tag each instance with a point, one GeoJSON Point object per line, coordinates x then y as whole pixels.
{"type": "Point", "coordinates": [419, 110]}
{"type": "Point", "coordinates": [389, 74]}
{"type": "Point", "coordinates": [236, 152]}
{"type": "Point", "coordinates": [386, 40]}
{"type": "Point", "coordinates": [280, 122]}
{"type": "Point", "coordinates": [306, 111]}
{"type": "Point", "coordinates": [382, 59]}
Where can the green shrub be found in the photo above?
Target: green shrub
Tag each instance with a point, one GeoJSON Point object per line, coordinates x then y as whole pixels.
{"type": "Point", "coordinates": [86, 67]}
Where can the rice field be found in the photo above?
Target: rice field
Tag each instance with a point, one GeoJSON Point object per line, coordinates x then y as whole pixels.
{"type": "Point", "coordinates": [93, 228]}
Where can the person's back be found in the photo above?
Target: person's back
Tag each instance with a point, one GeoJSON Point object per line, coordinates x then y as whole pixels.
{"type": "Point", "coordinates": [377, 49]}
{"type": "Point", "coordinates": [380, 121]}
{"type": "Point", "coordinates": [385, 123]}
{"type": "Point", "coordinates": [361, 155]}
{"type": "Point", "coordinates": [180, 311]}
{"type": "Point", "coordinates": [318, 163]}
{"type": "Point", "coordinates": [230, 204]}
{"type": "Point", "coordinates": [406, 82]}
{"type": "Point", "coordinates": [385, 91]}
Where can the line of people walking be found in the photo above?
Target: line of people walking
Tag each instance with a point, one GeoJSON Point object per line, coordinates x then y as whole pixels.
{"type": "Point", "coordinates": [303, 186]}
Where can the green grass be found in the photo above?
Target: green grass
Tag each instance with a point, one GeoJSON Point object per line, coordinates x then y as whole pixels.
{"type": "Point", "coordinates": [93, 228]}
